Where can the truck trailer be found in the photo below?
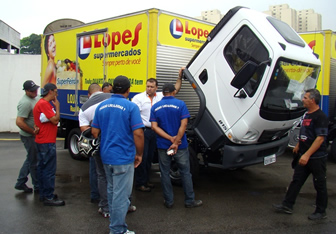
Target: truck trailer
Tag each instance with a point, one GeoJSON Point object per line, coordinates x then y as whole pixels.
{"type": "Point", "coordinates": [247, 75]}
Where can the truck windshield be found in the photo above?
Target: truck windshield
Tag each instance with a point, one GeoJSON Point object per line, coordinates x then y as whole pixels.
{"type": "Point", "coordinates": [286, 88]}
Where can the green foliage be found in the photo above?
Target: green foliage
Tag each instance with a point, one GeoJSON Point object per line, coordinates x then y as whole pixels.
{"type": "Point", "coordinates": [31, 44]}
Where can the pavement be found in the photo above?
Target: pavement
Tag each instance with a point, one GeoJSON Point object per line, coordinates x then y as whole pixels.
{"type": "Point", "coordinates": [237, 201]}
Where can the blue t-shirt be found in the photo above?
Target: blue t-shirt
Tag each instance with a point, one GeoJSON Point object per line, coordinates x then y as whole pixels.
{"type": "Point", "coordinates": [117, 118]}
{"type": "Point", "coordinates": [168, 114]}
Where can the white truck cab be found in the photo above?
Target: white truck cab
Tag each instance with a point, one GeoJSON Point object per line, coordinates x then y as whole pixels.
{"type": "Point", "coordinates": [249, 76]}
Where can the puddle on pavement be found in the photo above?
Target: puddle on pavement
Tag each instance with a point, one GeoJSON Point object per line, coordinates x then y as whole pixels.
{"type": "Point", "coordinates": [64, 178]}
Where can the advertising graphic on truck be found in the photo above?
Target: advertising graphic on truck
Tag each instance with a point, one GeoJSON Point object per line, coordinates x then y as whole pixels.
{"type": "Point", "coordinates": [141, 45]}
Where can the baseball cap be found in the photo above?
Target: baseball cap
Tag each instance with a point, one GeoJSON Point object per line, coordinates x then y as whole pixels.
{"type": "Point", "coordinates": [47, 88]}
{"type": "Point", "coordinates": [168, 88]}
{"type": "Point", "coordinates": [30, 85]}
{"type": "Point", "coordinates": [121, 84]}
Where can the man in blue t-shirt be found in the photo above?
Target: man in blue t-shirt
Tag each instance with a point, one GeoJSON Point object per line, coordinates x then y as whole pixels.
{"type": "Point", "coordinates": [119, 122]}
{"type": "Point", "coordinates": [169, 119]}
{"type": "Point", "coordinates": [312, 149]}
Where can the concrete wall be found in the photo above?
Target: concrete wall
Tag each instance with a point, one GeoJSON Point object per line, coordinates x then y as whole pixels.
{"type": "Point", "coordinates": [15, 69]}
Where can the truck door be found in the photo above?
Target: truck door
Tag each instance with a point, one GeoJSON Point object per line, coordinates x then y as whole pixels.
{"type": "Point", "coordinates": [99, 73]}
{"type": "Point", "coordinates": [224, 57]}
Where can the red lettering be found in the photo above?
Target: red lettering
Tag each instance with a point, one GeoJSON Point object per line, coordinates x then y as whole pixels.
{"type": "Point", "coordinates": [196, 31]}
{"type": "Point", "coordinates": [125, 36]}
{"type": "Point", "coordinates": [187, 31]}
{"type": "Point", "coordinates": [116, 38]}
{"type": "Point", "coordinates": [199, 32]}
{"type": "Point", "coordinates": [97, 42]}
{"type": "Point", "coordinates": [136, 34]}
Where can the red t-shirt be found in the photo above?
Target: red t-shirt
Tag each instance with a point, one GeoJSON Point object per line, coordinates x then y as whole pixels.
{"type": "Point", "coordinates": [48, 130]}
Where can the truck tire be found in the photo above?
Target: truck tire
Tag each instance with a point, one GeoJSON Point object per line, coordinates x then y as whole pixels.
{"type": "Point", "coordinates": [332, 153]}
{"type": "Point", "coordinates": [194, 168]}
{"type": "Point", "coordinates": [72, 143]}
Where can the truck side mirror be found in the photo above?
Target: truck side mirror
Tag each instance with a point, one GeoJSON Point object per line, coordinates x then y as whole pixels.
{"type": "Point", "coordinates": [244, 75]}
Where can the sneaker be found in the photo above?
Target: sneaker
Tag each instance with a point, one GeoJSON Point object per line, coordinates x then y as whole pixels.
{"type": "Point", "coordinates": [317, 216]}
{"type": "Point", "coordinates": [149, 185]}
{"type": "Point", "coordinates": [195, 203]}
{"type": "Point", "coordinates": [131, 209]}
{"type": "Point", "coordinates": [143, 188]}
{"type": "Point", "coordinates": [129, 232]}
{"type": "Point", "coordinates": [283, 209]}
{"type": "Point", "coordinates": [168, 205]}
{"type": "Point", "coordinates": [105, 214]}
{"type": "Point", "coordinates": [53, 202]}
{"type": "Point", "coordinates": [24, 188]}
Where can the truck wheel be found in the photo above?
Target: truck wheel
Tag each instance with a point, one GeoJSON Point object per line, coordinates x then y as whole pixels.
{"type": "Point", "coordinates": [194, 168]}
{"type": "Point", "coordinates": [332, 154]}
{"type": "Point", "coordinates": [73, 144]}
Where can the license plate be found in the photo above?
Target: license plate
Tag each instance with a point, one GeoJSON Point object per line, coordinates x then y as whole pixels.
{"type": "Point", "coordinates": [269, 159]}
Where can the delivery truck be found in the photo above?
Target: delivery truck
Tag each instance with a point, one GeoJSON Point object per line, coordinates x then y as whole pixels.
{"type": "Point", "coordinates": [244, 77]}
{"type": "Point", "coordinates": [323, 43]}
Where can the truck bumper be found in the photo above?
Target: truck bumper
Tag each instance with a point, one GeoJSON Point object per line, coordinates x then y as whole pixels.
{"type": "Point", "coordinates": [235, 156]}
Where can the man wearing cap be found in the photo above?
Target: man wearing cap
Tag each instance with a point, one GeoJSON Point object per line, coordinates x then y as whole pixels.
{"type": "Point", "coordinates": [169, 118]}
{"type": "Point", "coordinates": [119, 122]}
{"type": "Point", "coordinates": [145, 101]}
{"type": "Point", "coordinates": [25, 121]}
{"type": "Point", "coordinates": [46, 117]}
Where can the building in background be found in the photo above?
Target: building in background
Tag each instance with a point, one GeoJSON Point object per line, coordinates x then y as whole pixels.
{"type": "Point", "coordinates": [309, 21]}
{"type": "Point", "coordinates": [300, 21]}
{"type": "Point", "coordinates": [9, 39]}
{"type": "Point", "coordinates": [213, 16]}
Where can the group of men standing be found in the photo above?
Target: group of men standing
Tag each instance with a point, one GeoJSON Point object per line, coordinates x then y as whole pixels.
{"type": "Point", "coordinates": [129, 134]}
{"type": "Point", "coordinates": [37, 120]}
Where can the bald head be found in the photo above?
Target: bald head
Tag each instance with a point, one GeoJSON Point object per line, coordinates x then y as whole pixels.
{"type": "Point", "coordinates": [94, 87]}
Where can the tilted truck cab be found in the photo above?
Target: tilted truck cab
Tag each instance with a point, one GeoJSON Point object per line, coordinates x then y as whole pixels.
{"type": "Point", "coordinates": [249, 76]}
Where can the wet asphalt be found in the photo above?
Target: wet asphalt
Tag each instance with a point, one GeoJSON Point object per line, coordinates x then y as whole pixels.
{"type": "Point", "coordinates": [235, 201]}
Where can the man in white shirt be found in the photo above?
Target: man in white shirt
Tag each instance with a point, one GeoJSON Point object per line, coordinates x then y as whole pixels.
{"type": "Point", "coordinates": [97, 172]}
{"type": "Point", "coordinates": [145, 101]}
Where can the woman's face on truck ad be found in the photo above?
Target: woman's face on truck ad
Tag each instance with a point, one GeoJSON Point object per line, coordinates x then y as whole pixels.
{"type": "Point", "coordinates": [52, 47]}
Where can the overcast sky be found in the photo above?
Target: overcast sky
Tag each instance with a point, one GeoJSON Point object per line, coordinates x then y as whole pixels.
{"type": "Point", "coordinates": [33, 16]}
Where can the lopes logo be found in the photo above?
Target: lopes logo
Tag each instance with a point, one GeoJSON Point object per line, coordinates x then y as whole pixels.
{"type": "Point", "coordinates": [176, 28]}
{"type": "Point", "coordinates": [84, 47]}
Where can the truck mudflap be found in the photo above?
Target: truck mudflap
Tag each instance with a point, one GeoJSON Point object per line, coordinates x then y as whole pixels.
{"type": "Point", "coordinates": [238, 156]}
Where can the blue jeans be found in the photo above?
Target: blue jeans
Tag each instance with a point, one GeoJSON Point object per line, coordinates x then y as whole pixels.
{"type": "Point", "coordinates": [93, 179]}
{"type": "Point", "coordinates": [182, 160]}
{"type": "Point", "coordinates": [143, 170]}
{"type": "Point", "coordinates": [30, 164]}
{"type": "Point", "coordinates": [119, 189]}
{"type": "Point", "coordinates": [318, 168]}
{"type": "Point", "coordinates": [46, 169]}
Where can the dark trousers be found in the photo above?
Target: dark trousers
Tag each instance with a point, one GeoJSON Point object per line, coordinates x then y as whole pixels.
{"type": "Point", "coordinates": [143, 170]}
{"type": "Point", "coordinates": [46, 169]}
{"type": "Point", "coordinates": [318, 168]}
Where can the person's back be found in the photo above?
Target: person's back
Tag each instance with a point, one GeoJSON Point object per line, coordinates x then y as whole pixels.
{"type": "Point", "coordinates": [117, 138]}
{"type": "Point", "coordinates": [119, 124]}
{"type": "Point", "coordinates": [169, 112]}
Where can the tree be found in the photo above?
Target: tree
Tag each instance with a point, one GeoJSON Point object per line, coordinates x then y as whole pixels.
{"type": "Point", "coordinates": [31, 44]}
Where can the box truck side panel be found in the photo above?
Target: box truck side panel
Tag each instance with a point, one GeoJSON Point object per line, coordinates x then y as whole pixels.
{"type": "Point", "coordinates": [125, 53]}
{"type": "Point", "coordinates": [178, 40]}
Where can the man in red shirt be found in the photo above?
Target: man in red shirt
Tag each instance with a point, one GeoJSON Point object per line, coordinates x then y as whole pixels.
{"type": "Point", "coordinates": [46, 117]}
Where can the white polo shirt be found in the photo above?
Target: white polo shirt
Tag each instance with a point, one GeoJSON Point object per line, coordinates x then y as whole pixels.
{"type": "Point", "coordinates": [145, 103]}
